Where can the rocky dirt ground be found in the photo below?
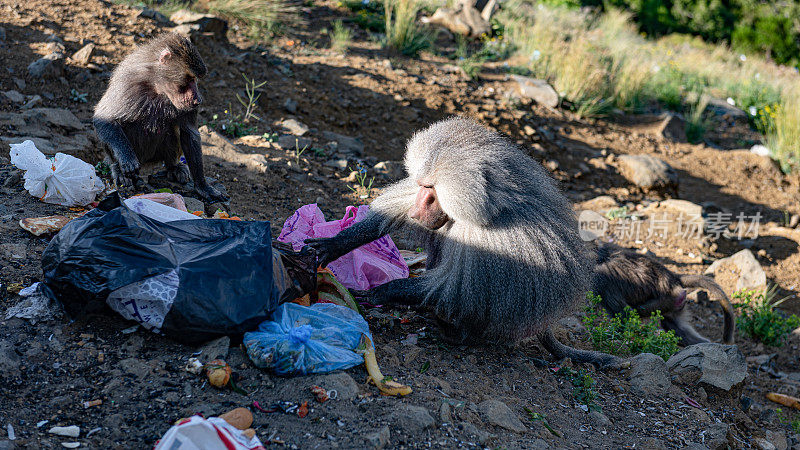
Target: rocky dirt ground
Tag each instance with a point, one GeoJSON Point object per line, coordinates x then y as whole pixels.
{"type": "Point", "coordinates": [361, 108]}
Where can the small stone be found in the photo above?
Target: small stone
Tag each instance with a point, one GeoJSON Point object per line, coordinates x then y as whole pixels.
{"type": "Point", "coordinates": [55, 117]}
{"type": "Point", "coordinates": [539, 91]}
{"type": "Point", "coordinates": [717, 436]}
{"type": "Point", "coordinates": [717, 365]}
{"type": "Point", "coordinates": [290, 105]}
{"type": "Point", "coordinates": [206, 23]}
{"type": "Point", "coordinates": [390, 169]}
{"type": "Point", "coordinates": [14, 96]}
{"type": "Point", "coordinates": [337, 163]}
{"type": "Point", "coordinates": [649, 376]}
{"type": "Point", "coordinates": [763, 444]}
{"type": "Point", "coordinates": [760, 150]}
{"type": "Point", "coordinates": [378, 439]}
{"type": "Point", "coordinates": [499, 414]}
{"type": "Point", "coordinates": [745, 266]}
{"type": "Point", "coordinates": [778, 439]}
{"type": "Point", "coordinates": [149, 13]}
{"type": "Point", "coordinates": [412, 419]}
{"type": "Point", "coordinates": [482, 437]}
{"type": "Point", "coordinates": [346, 144]}
{"type": "Point", "coordinates": [551, 165]}
{"type": "Point", "coordinates": [50, 66]}
{"type": "Point", "coordinates": [598, 419]}
{"type": "Point", "coordinates": [295, 127]}
{"type": "Point", "coordinates": [529, 130]}
{"type": "Point", "coordinates": [216, 349]}
{"type": "Point", "coordinates": [35, 100]}
{"type": "Point", "coordinates": [84, 55]}
{"type": "Point", "coordinates": [134, 366]}
{"type": "Point", "coordinates": [70, 431]}
{"type": "Point", "coordinates": [21, 84]}
{"type": "Point", "coordinates": [344, 385]}
{"type": "Point", "coordinates": [602, 203]}
{"type": "Point", "coordinates": [794, 221]}
{"type": "Point", "coordinates": [193, 204]}
{"type": "Point", "coordinates": [291, 142]}
{"type": "Point", "coordinates": [648, 172]}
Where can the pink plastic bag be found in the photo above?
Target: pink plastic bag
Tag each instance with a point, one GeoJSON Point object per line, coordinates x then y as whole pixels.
{"type": "Point", "coordinates": [365, 267]}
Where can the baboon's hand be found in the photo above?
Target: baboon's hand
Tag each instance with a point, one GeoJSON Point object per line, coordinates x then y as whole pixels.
{"type": "Point", "coordinates": [328, 249]}
{"type": "Point", "coordinates": [128, 174]}
{"type": "Point", "coordinates": [210, 194]}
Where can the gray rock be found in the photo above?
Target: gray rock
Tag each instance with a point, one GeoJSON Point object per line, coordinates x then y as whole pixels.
{"type": "Point", "coordinates": [54, 117]}
{"type": "Point", "coordinates": [14, 96]}
{"type": "Point", "coordinates": [539, 91]}
{"type": "Point", "coordinates": [35, 100]}
{"type": "Point", "coordinates": [778, 439]}
{"type": "Point", "coordinates": [378, 439]}
{"type": "Point", "coordinates": [499, 414]}
{"type": "Point", "coordinates": [7, 445]}
{"type": "Point", "coordinates": [291, 142]}
{"type": "Point", "coordinates": [345, 386]}
{"type": "Point", "coordinates": [216, 349]}
{"type": "Point", "coordinates": [717, 365]}
{"type": "Point", "coordinates": [602, 203]}
{"type": "Point", "coordinates": [295, 127]}
{"type": "Point", "coordinates": [463, 18]}
{"type": "Point", "coordinates": [764, 444]}
{"type": "Point", "coordinates": [648, 172]}
{"type": "Point", "coordinates": [723, 108]}
{"type": "Point", "coordinates": [598, 419]}
{"type": "Point", "coordinates": [14, 251]}
{"type": "Point", "coordinates": [290, 105]}
{"type": "Point", "coordinates": [206, 23]}
{"type": "Point", "coordinates": [481, 437]}
{"type": "Point", "coordinates": [412, 419]}
{"type": "Point", "coordinates": [717, 436]}
{"type": "Point", "coordinates": [13, 179]}
{"type": "Point", "coordinates": [649, 376]}
{"type": "Point", "coordinates": [21, 84]}
{"type": "Point", "coordinates": [135, 367]}
{"type": "Point", "coordinates": [745, 264]}
{"type": "Point", "coordinates": [193, 204]}
{"type": "Point", "coordinates": [84, 55]}
{"type": "Point", "coordinates": [337, 163]}
{"type": "Point", "coordinates": [346, 144]}
{"type": "Point", "coordinates": [391, 170]}
{"type": "Point", "coordinates": [50, 66]}
{"type": "Point", "coordinates": [9, 360]}
{"type": "Point", "coordinates": [2, 34]}
{"type": "Point", "coordinates": [685, 207]}
{"type": "Point", "coordinates": [148, 13]}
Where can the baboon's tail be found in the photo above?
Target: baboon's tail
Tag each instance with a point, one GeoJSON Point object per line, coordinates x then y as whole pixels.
{"type": "Point", "coordinates": [703, 282]}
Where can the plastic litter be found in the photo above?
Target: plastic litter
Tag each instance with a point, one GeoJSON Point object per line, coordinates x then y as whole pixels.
{"type": "Point", "coordinates": [63, 180]}
{"type": "Point", "coordinates": [192, 280]}
{"type": "Point", "coordinates": [300, 340]}
{"type": "Point", "coordinates": [368, 266]}
{"type": "Point", "coordinates": [213, 433]}
{"type": "Point", "coordinates": [34, 306]}
{"type": "Point", "coordinates": [165, 198]}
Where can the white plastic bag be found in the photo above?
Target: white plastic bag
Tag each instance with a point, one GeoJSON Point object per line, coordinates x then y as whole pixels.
{"type": "Point", "coordinates": [64, 180]}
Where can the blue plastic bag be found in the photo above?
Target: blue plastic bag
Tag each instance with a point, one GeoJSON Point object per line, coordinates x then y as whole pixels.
{"type": "Point", "coordinates": [300, 340]}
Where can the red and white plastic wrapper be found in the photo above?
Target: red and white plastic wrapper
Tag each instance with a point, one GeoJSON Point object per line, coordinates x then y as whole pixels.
{"type": "Point", "coordinates": [364, 268]}
{"type": "Point", "coordinates": [165, 198]}
{"type": "Point", "coordinates": [198, 433]}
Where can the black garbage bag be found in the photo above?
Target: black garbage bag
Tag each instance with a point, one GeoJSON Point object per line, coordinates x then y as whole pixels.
{"type": "Point", "coordinates": [209, 277]}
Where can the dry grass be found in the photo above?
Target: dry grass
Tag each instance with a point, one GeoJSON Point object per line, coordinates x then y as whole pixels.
{"type": "Point", "coordinates": [403, 33]}
{"type": "Point", "coordinates": [263, 18]}
{"type": "Point", "coordinates": [341, 37]}
{"type": "Point", "coordinates": [599, 62]}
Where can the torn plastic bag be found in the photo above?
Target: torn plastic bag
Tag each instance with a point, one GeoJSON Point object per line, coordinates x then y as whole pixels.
{"type": "Point", "coordinates": [364, 268]}
{"type": "Point", "coordinates": [192, 280]}
{"type": "Point", "coordinates": [300, 340]}
{"type": "Point", "coordinates": [213, 433]}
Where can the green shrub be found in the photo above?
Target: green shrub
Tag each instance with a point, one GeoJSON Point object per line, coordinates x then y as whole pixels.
{"type": "Point", "coordinates": [263, 18]}
{"type": "Point", "coordinates": [626, 334]}
{"type": "Point", "coordinates": [759, 319]}
{"type": "Point", "coordinates": [340, 37]}
{"type": "Point", "coordinates": [696, 122]}
{"type": "Point", "coordinates": [368, 15]}
{"type": "Point", "coordinates": [583, 386]}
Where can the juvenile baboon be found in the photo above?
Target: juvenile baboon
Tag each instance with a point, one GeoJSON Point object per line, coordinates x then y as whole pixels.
{"type": "Point", "coordinates": [625, 278]}
{"type": "Point", "coordinates": [149, 114]}
{"type": "Point", "coordinates": [504, 256]}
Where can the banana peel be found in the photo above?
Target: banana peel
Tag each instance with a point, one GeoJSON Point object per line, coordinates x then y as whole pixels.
{"type": "Point", "coordinates": [329, 289]}
{"type": "Point", "coordinates": [386, 385]}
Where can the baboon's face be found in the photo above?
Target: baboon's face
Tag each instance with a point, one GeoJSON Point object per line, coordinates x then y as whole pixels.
{"type": "Point", "coordinates": [427, 210]}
